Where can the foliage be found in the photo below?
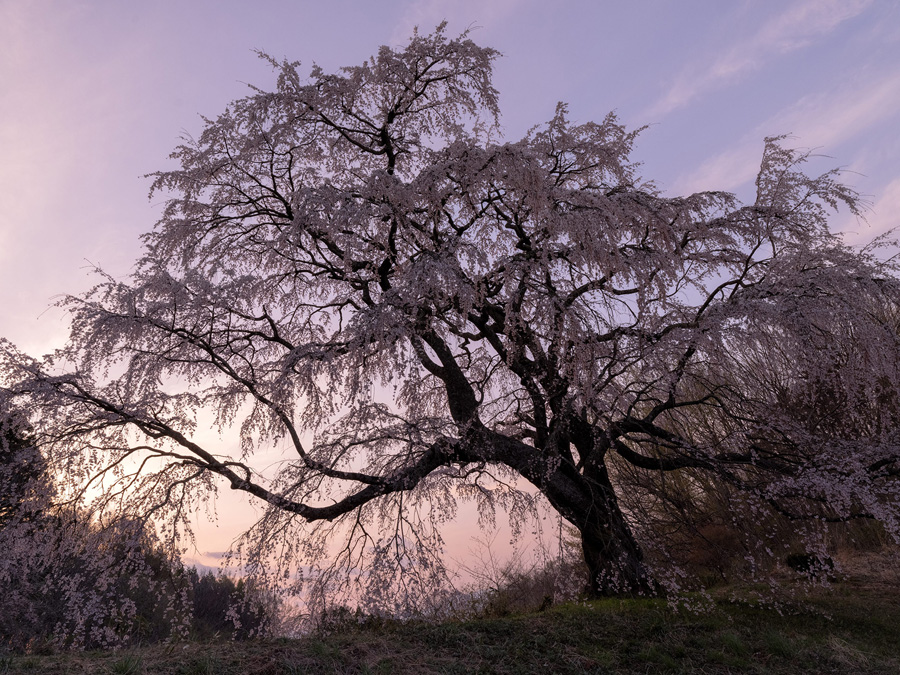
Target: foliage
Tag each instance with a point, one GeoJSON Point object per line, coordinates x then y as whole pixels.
{"type": "Point", "coordinates": [357, 278]}
{"type": "Point", "coordinates": [117, 584]}
{"type": "Point", "coordinates": [84, 587]}
{"type": "Point", "coordinates": [23, 473]}
{"type": "Point", "coordinates": [68, 581]}
{"type": "Point", "coordinates": [225, 608]}
{"type": "Point", "coordinates": [68, 584]}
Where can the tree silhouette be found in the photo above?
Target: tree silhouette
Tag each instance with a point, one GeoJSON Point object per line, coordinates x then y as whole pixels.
{"type": "Point", "coordinates": [354, 272]}
{"type": "Point", "coordinates": [24, 484]}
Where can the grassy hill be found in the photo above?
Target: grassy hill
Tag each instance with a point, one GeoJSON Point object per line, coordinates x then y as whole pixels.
{"type": "Point", "coordinates": [853, 628]}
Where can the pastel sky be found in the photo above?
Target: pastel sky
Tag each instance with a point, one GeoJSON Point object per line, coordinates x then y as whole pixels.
{"type": "Point", "coordinates": [95, 94]}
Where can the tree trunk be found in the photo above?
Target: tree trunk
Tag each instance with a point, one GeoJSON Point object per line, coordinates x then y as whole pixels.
{"type": "Point", "coordinates": [614, 559]}
{"type": "Point", "coordinates": [588, 501]}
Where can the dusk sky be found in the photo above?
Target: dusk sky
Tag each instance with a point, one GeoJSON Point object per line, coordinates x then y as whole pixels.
{"type": "Point", "coordinates": [96, 93]}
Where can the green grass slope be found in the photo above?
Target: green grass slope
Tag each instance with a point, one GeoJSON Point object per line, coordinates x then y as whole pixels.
{"type": "Point", "coordinates": [848, 630]}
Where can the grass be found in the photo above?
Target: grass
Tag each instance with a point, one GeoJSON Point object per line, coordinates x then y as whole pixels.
{"type": "Point", "coordinates": [129, 664]}
{"type": "Point", "coordinates": [846, 630]}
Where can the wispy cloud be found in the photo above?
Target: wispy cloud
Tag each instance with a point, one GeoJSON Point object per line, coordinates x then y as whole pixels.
{"type": "Point", "coordinates": [823, 120]}
{"type": "Point", "coordinates": [800, 25]}
{"type": "Point", "coordinates": [883, 216]}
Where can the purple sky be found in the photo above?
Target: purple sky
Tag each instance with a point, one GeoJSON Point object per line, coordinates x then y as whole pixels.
{"type": "Point", "coordinates": [97, 92]}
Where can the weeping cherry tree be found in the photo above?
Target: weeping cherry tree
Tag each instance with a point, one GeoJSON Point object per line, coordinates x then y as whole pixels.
{"type": "Point", "coordinates": [381, 307]}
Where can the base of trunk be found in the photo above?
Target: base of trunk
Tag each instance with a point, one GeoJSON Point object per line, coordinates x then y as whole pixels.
{"type": "Point", "coordinates": [615, 562]}
{"type": "Point", "coordinates": [621, 578]}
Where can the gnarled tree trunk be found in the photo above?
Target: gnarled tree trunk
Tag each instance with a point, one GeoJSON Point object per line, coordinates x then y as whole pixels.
{"type": "Point", "coordinates": [585, 497]}
{"type": "Point", "coordinates": [614, 559]}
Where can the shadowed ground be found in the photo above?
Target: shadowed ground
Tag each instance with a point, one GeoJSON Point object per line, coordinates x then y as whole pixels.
{"type": "Point", "coordinates": [854, 626]}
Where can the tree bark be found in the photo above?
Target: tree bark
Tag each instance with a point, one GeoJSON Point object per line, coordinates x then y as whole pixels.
{"type": "Point", "coordinates": [585, 498]}
{"type": "Point", "coordinates": [614, 559]}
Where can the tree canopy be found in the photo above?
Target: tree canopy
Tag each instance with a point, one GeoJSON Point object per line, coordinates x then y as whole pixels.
{"type": "Point", "coordinates": [356, 276]}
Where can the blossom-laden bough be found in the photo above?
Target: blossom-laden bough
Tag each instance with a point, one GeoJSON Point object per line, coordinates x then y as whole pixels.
{"type": "Point", "coordinates": [357, 278]}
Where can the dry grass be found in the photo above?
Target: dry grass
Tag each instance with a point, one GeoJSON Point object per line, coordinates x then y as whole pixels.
{"type": "Point", "coordinates": [852, 626]}
{"type": "Point", "coordinates": [838, 634]}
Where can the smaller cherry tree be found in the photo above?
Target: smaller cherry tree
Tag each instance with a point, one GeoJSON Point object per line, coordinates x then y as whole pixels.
{"type": "Point", "coordinates": [70, 581]}
{"type": "Point", "coordinates": [355, 274]}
